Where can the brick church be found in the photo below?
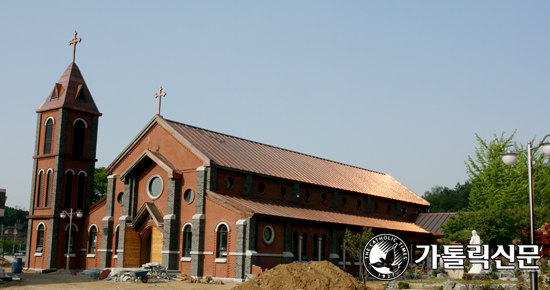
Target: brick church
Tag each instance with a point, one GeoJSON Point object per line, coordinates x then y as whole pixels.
{"type": "Point", "coordinates": [194, 200]}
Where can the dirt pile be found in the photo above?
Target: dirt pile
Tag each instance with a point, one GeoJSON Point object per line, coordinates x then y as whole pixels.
{"type": "Point", "coordinates": [313, 275]}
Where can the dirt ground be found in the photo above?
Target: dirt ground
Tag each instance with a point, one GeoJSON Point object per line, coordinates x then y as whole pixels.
{"type": "Point", "coordinates": [82, 281]}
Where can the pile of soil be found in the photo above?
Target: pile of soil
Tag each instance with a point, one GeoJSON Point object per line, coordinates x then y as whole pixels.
{"type": "Point", "coordinates": [313, 275]}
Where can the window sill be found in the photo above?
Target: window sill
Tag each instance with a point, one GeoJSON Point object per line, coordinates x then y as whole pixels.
{"type": "Point", "coordinates": [185, 259]}
{"type": "Point", "coordinates": [220, 260]}
{"type": "Point", "coordinates": [38, 254]}
{"type": "Point", "coordinates": [115, 257]}
{"type": "Point", "coordinates": [90, 256]}
{"type": "Point", "coordinates": [70, 255]}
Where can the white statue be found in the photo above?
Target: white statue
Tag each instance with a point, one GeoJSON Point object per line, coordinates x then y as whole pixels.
{"type": "Point", "coordinates": [476, 268]}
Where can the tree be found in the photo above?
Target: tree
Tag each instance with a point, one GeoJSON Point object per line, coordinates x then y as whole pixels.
{"type": "Point", "coordinates": [495, 227]}
{"type": "Point", "coordinates": [355, 245]}
{"type": "Point", "coordinates": [444, 199]}
{"type": "Point", "coordinates": [499, 186]}
{"type": "Point", "coordinates": [100, 184]}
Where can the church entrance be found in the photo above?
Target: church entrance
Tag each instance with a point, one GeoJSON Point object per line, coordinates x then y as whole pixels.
{"type": "Point", "coordinates": [144, 247]}
{"type": "Point", "coordinates": [151, 245]}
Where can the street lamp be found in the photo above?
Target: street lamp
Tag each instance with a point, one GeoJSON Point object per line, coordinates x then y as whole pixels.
{"type": "Point", "coordinates": [63, 215]}
{"type": "Point", "coordinates": [511, 158]}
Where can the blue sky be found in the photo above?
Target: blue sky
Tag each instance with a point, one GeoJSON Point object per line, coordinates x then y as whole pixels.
{"type": "Point", "coordinates": [400, 87]}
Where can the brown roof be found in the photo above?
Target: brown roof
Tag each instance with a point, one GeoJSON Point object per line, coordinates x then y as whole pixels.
{"type": "Point", "coordinates": [232, 152]}
{"type": "Point", "coordinates": [432, 222]}
{"type": "Point", "coordinates": [255, 207]}
{"type": "Point", "coordinates": [70, 92]}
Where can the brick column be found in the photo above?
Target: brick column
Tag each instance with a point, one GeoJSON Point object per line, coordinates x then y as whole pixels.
{"type": "Point", "coordinates": [197, 248]}
{"type": "Point", "coordinates": [106, 251]}
{"type": "Point", "coordinates": [170, 242]}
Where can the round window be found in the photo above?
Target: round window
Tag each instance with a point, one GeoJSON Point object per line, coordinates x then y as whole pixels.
{"type": "Point", "coordinates": [269, 234]}
{"type": "Point", "coordinates": [261, 187]}
{"type": "Point", "coordinates": [188, 195]}
{"type": "Point", "coordinates": [323, 197]}
{"type": "Point", "coordinates": [154, 186]}
{"type": "Point", "coordinates": [120, 198]}
{"type": "Point", "coordinates": [282, 190]}
{"type": "Point", "coordinates": [229, 182]}
{"type": "Point", "coordinates": [344, 200]}
{"type": "Point", "coordinates": [306, 195]}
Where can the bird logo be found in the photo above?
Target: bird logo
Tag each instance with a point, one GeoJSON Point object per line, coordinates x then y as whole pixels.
{"type": "Point", "coordinates": [385, 257]}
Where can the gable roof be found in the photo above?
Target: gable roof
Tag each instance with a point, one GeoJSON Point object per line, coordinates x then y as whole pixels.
{"type": "Point", "coordinates": [71, 92]}
{"type": "Point", "coordinates": [432, 222]}
{"type": "Point", "coordinates": [256, 207]}
{"type": "Point", "coordinates": [237, 153]}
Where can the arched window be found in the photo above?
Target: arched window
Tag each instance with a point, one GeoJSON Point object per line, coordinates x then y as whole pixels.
{"type": "Point", "coordinates": [222, 241]}
{"type": "Point", "coordinates": [116, 240]}
{"type": "Point", "coordinates": [48, 136]}
{"type": "Point", "coordinates": [78, 138]}
{"type": "Point", "coordinates": [39, 189]}
{"type": "Point", "coordinates": [81, 189]}
{"type": "Point", "coordinates": [187, 240]}
{"type": "Point", "coordinates": [70, 241]}
{"type": "Point", "coordinates": [304, 247]}
{"type": "Point", "coordinates": [323, 247]}
{"type": "Point", "coordinates": [48, 188]}
{"type": "Point", "coordinates": [40, 238]}
{"type": "Point", "coordinates": [68, 188]}
{"type": "Point", "coordinates": [295, 246]}
{"type": "Point", "coordinates": [93, 239]}
{"type": "Point", "coordinates": [315, 247]}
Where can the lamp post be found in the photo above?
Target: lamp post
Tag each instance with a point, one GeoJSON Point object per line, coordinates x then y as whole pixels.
{"type": "Point", "coordinates": [511, 158]}
{"type": "Point", "coordinates": [63, 215]}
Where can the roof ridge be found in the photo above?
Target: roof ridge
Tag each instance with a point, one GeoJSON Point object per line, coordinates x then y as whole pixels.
{"type": "Point", "coordinates": [264, 144]}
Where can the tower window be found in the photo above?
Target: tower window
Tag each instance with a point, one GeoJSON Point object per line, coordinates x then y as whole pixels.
{"type": "Point", "coordinates": [48, 186]}
{"type": "Point", "coordinates": [81, 189]}
{"type": "Point", "coordinates": [40, 238]}
{"type": "Point", "coordinates": [48, 136]}
{"type": "Point", "coordinates": [39, 189]}
{"type": "Point", "coordinates": [68, 188]}
{"type": "Point", "coordinates": [70, 241]}
{"type": "Point", "coordinates": [78, 137]}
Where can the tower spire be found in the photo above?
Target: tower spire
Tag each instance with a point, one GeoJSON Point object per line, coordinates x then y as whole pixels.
{"type": "Point", "coordinates": [74, 41]}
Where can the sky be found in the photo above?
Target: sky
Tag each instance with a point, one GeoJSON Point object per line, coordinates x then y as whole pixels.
{"type": "Point", "coordinates": [400, 87]}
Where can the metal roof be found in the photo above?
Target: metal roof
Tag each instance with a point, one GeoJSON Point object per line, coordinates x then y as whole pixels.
{"type": "Point", "coordinates": [432, 222]}
{"type": "Point", "coordinates": [237, 153]}
{"type": "Point", "coordinates": [70, 92]}
{"type": "Point", "coordinates": [263, 207]}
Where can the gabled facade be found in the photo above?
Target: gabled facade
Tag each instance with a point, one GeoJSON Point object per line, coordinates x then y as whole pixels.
{"type": "Point", "coordinates": [206, 203]}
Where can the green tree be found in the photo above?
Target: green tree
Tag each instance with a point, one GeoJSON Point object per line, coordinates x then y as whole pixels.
{"type": "Point", "coordinates": [494, 226]}
{"type": "Point", "coordinates": [100, 183]}
{"type": "Point", "coordinates": [499, 186]}
{"type": "Point", "coordinates": [355, 245]}
{"type": "Point", "coordinates": [444, 199]}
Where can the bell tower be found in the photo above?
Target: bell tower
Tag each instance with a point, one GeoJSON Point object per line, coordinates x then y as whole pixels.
{"type": "Point", "coordinates": [63, 168]}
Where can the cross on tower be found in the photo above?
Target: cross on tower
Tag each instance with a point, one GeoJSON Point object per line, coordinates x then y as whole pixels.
{"type": "Point", "coordinates": [160, 95]}
{"type": "Point", "coordinates": [74, 42]}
